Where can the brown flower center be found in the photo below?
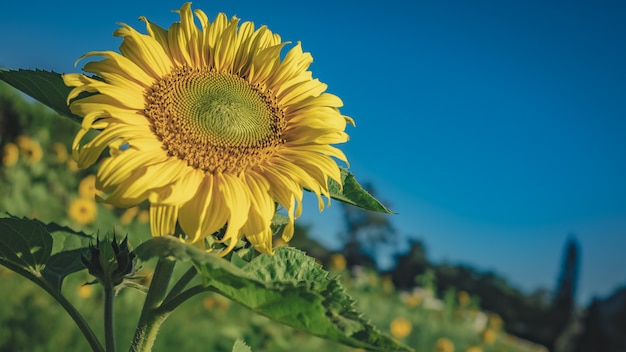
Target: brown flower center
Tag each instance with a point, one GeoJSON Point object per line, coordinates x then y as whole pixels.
{"type": "Point", "coordinates": [217, 122]}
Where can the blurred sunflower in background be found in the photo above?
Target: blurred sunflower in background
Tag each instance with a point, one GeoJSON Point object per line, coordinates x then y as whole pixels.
{"type": "Point", "coordinates": [30, 148]}
{"type": "Point", "coordinates": [10, 154]}
{"type": "Point", "coordinates": [83, 211]}
{"type": "Point", "coordinates": [210, 126]}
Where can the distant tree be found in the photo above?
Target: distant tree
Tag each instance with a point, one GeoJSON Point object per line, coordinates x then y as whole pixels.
{"type": "Point", "coordinates": [303, 241]}
{"type": "Point", "coordinates": [366, 233]}
{"type": "Point", "coordinates": [595, 336]}
{"type": "Point", "coordinates": [410, 265]}
{"type": "Point", "coordinates": [9, 113]}
{"type": "Point", "coordinates": [564, 301]}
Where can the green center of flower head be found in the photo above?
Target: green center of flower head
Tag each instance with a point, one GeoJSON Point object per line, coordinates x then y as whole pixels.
{"type": "Point", "coordinates": [217, 122]}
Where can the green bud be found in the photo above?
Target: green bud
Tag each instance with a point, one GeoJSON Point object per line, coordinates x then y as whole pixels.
{"type": "Point", "coordinates": [109, 261]}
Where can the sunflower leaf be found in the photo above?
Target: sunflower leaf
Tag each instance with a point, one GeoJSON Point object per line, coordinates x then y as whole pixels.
{"type": "Point", "coordinates": [288, 287]}
{"type": "Point", "coordinates": [28, 248]}
{"type": "Point", "coordinates": [241, 346]}
{"type": "Point", "coordinates": [25, 246]}
{"type": "Point", "coordinates": [68, 246]}
{"type": "Point", "coordinates": [353, 193]}
{"type": "Point", "coordinates": [44, 86]}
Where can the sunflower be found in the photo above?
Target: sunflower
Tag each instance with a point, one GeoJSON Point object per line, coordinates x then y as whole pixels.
{"type": "Point", "coordinates": [31, 149]}
{"type": "Point", "coordinates": [10, 154]}
{"type": "Point", "coordinates": [83, 211]}
{"type": "Point", "coordinates": [87, 187]}
{"type": "Point", "coordinates": [210, 126]}
{"type": "Point", "coordinates": [59, 150]}
{"type": "Point", "coordinates": [400, 328]}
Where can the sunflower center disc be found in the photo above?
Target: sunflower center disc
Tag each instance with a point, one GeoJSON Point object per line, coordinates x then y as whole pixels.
{"type": "Point", "coordinates": [217, 122]}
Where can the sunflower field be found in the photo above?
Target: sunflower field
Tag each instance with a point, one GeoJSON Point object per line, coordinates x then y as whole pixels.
{"type": "Point", "coordinates": [39, 179]}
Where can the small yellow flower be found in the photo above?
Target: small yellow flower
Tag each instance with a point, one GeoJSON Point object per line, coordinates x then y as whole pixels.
{"type": "Point", "coordinates": [208, 302]}
{"type": "Point", "coordinates": [489, 336]}
{"type": "Point", "coordinates": [413, 300]}
{"type": "Point", "coordinates": [87, 187]}
{"type": "Point", "coordinates": [85, 291]}
{"type": "Point", "coordinates": [212, 301]}
{"type": "Point", "coordinates": [72, 166]}
{"type": "Point", "coordinates": [30, 148]}
{"type": "Point", "coordinates": [495, 322]}
{"type": "Point", "coordinates": [144, 277]}
{"type": "Point", "coordinates": [143, 217]}
{"type": "Point", "coordinates": [83, 211]}
{"type": "Point", "coordinates": [387, 283]}
{"type": "Point", "coordinates": [444, 345]}
{"type": "Point", "coordinates": [129, 215]}
{"type": "Point", "coordinates": [278, 242]}
{"type": "Point", "coordinates": [59, 150]}
{"type": "Point", "coordinates": [338, 261]}
{"type": "Point", "coordinates": [10, 154]}
{"type": "Point", "coordinates": [464, 298]}
{"type": "Point", "coordinates": [474, 349]}
{"type": "Point", "coordinates": [400, 328]}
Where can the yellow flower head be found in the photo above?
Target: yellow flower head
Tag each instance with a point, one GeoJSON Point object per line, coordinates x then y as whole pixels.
{"type": "Point", "coordinates": [495, 322]}
{"type": "Point", "coordinates": [10, 154]}
{"type": "Point", "coordinates": [444, 345]}
{"type": "Point", "coordinates": [464, 298]}
{"type": "Point", "coordinates": [210, 126]}
{"type": "Point", "coordinates": [338, 261]}
{"type": "Point", "coordinates": [210, 302]}
{"type": "Point", "coordinates": [413, 300]}
{"type": "Point", "coordinates": [128, 215]}
{"type": "Point", "coordinates": [83, 210]}
{"type": "Point", "coordinates": [72, 166]}
{"type": "Point", "coordinates": [87, 187]}
{"type": "Point", "coordinates": [400, 328]}
{"type": "Point", "coordinates": [59, 150]}
{"type": "Point", "coordinates": [30, 148]}
{"type": "Point", "coordinates": [143, 216]}
{"type": "Point", "coordinates": [85, 291]}
{"type": "Point", "coordinates": [489, 336]}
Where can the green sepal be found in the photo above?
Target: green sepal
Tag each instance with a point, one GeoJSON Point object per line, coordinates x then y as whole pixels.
{"type": "Point", "coordinates": [353, 193]}
{"type": "Point", "coordinates": [44, 86]}
{"type": "Point", "coordinates": [288, 287]}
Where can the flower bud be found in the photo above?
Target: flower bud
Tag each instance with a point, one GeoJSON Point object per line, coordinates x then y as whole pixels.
{"type": "Point", "coordinates": [109, 261]}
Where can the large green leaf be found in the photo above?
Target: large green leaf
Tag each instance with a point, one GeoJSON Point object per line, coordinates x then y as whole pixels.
{"type": "Point", "coordinates": [353, 193]}
{"type": "Point", "coordinates": [288, 287]}
{"type": "Point", "coordinates": [68, 246]}
{"type": "Point", "coordinates": [25, 245]}
{"type": "Point", "coordinates": [28, 248]}
{"type": "Point", "coordinates": [44, 86]}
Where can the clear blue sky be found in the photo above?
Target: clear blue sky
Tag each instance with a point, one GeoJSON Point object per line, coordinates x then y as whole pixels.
{"type": "Point", "coordinates": [494, 128]}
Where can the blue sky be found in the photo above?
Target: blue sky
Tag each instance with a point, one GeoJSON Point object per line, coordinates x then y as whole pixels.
{"type": "Point", "coordinates": [494, 129]}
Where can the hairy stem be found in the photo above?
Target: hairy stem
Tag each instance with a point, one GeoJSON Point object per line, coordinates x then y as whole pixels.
{"type": "Point", "coordinates": [109, 329]}
{"type": "Point", "coordinates": [181, 284]}
{"type": "Point", "coordinates": [151, 318]}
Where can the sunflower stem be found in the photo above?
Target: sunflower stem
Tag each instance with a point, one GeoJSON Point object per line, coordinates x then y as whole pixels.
{"type": "Point", "coordinates": [151, 318]}
{"type": "Point", "coordinates": [174, 302]}
{"type": "Point", "coordinates": [181, 284]}
{"type": "Point", "coordinates": [79, 320]}
{"type": "Point", "coordinates": [84, 327]}
{"type": "Point", "coordinates": [109, 331]}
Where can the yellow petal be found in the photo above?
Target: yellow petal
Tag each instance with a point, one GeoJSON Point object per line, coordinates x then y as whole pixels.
{"type": "Point", "coordinates": [163, 219]}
